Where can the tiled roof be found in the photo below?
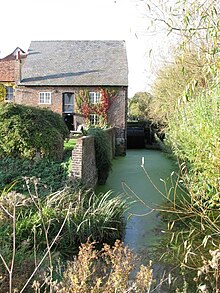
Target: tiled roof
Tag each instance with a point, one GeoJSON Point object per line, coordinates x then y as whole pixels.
{"type": "Point", "coordinates": [83, 63]}
{"type": "Point", "coordinates": [9, 66]}
{"type": "Point", "coordinates": [7, 71]}
{"type": "Point", "coordinates": [14, 55]}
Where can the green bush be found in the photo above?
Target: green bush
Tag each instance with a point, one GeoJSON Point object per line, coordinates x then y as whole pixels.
{"type": "Point", "coordinates": [102, 153]}
{"type": "Point", "coordinates": [51, 175]}
{"type": "Point", "coordinates": [29, 131]}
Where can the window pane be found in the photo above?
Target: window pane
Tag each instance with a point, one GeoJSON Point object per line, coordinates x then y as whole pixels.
{"type": "Point", "coordinates": [94, 119]}
{"type": "Point", "coordinates": [9, 93]}
{"type": "Point", "coordinates": [45, 98]}
{"type": "Point", "coordinates": [94, 97]}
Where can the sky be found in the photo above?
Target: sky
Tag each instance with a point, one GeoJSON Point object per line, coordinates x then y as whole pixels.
{"type": "Point", "coordinates": [23, 21]}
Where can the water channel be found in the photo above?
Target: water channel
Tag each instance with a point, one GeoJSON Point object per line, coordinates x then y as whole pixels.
{"type": "Point", "coordinates": [143, 233]}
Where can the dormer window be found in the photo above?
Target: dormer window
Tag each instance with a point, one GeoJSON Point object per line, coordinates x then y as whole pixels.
{"type": "Point", "coordinates": [9, 94]}
{"type": "Point", "coordinates": [94, 97]}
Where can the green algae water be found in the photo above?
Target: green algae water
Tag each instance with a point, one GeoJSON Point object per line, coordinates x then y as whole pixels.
{"type": "Point", "coordinates": [144, 227]}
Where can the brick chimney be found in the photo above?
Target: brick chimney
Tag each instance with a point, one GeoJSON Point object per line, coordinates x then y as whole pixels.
{"type": "Point", "coordinates": [18, 66]}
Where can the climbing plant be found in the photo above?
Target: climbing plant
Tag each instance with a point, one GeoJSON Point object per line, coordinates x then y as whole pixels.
{"type": "Point", "coordinates": [2, 92]}
{"type": "Point", "coordinates": [86, 107]}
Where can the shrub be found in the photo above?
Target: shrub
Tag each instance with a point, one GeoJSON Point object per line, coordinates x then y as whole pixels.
{"type": "Point", "coordinates": [27, 131]}
{"type": "Point", "coordinates": [102, 153]}
{"type": "Point", "coordinates": [108, 270]}
{"type": "Point", "coordinates": [52, 175]}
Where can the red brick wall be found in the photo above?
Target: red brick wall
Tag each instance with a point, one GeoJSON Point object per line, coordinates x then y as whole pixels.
{"type": "Point", "coordinates": [117, 114]}
{"type": "Point", "coordinates": [30, 96]}
{"type": "Point", "coordinates": [10, 70]}
{"type": "Point", "coordinates": [83, 161]}
{"type": "Point", "coordinates": [111, 136]}
{"type": "Point", "coordinates": [83, 158]}
{"type": "Point", "coordinates": [117, 117]}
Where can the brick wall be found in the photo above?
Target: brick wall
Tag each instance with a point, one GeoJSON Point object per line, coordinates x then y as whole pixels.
{"type": "Point", "coordinates": [10, 69]}
{"type": "Point", "coordinates": [30, 96]}
{"type": "Point", "coordinates": [7, 70]}
{"type": "Point", "coordinates": [83, 161]}
{"type": "Point", "coordinates": [111, 136]}
{"type": "Point", "coordinates": [117, 117]}
{"type": "Point", "coordinates": [117, 114]}
{"type": "Point", "coordinates": [83, 158]}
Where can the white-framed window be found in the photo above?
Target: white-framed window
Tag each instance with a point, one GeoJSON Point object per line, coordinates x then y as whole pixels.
{"type": "Point", "coordinates": [94, 119]}
{"type": "Point", "coordinates": [9, 93]}
{"type": "Point", "coordinates": [45, 98]}
{"type": "Point", "coordinates": [94, 97]}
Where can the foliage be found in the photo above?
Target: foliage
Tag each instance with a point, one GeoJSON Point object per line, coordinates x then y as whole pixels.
{"type": "Point", "coordinates": [177, 82]}
{"type": "Point", "coordinates": [102, 153]}
{"type": "Point", "coordinates": [27, 131]}
{"type": "Point", "coordinates": [101, 108]}
{"type": "Point", "coordinates": [188, 101]}
{"type": "Point", "coordinates": [23, 259]}
{"type": "Point", "coordinates": [35, 228]}
{"type": "Point", "coordinates": [89, 216]}
{"type": "Point", "coordinates": [209, 273]}
{"type": "Point", "coordinates": [2, 92]}
{"type": "Point", "coordinates": [108, 270]}
{"type": "Point", "coordinates": [193, 232]}
{"type": "Point", "coordinates": [139, 104]}
{"type": "Point", "coordinates": [51, 175]}
{"type": "Point", "coordinates": [55, 120]}
{"type": "Point", "coordinates": [194, 138]}
{"type": "Point", "coordinates": [69, 144]}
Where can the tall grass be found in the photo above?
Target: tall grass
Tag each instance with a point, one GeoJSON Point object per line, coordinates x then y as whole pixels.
{"type": "Point", "coordinates": [194, 226]}
{"type": "Point", "coordinates": [98, 217]}
{"type": "Point", "coordinates": [193, 136]}
{"type": "Point", "coordinates": [32, 225]}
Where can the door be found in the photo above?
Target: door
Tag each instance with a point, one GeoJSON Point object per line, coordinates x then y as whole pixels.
{"type": "Point", "coordinates": [68, 109]}
{"type": "Point", "coordinates": [68, 102]}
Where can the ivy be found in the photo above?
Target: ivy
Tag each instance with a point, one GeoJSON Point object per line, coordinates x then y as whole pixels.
{"type": "Point", "coordinates": [101, 109]}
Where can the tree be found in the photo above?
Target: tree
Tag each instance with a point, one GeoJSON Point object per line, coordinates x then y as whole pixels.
{"type": "Point", "coordinates": [139, 104]}
{"type": "Point", "coordinates": [178, 82]}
